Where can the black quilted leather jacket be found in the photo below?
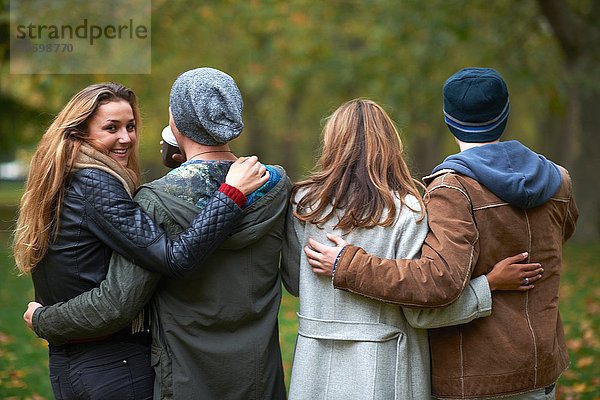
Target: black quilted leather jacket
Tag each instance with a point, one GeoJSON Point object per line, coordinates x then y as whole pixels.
{"type": "Point", "coordinates": [99, 217]}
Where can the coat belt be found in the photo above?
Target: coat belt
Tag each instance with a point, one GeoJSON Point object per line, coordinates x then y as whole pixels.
{"type": "Point", "coordinates": [346, 330]}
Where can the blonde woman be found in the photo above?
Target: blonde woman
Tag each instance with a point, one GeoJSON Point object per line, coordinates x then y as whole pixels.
{"type": "Point", "coordinates": [350, 346]}
{"type": "Point", "coordinates": [77, 209]}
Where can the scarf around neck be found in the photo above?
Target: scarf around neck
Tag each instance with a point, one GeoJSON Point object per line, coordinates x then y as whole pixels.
{"type": "Point", "coordinates": [88, 157]}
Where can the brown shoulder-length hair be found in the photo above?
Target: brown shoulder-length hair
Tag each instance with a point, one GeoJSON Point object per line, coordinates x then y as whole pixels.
{"type": "Point", "coordinates": [360, 170]}
{"type": "Point", "coordinates": [41, 204]}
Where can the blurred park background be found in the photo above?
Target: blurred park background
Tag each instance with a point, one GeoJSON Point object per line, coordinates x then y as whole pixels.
{"type": "Point", "coordinates": [295, 61]}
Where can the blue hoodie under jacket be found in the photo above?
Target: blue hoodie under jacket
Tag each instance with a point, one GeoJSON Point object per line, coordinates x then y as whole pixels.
{"type": "Point", "coordinates": [510, 170]}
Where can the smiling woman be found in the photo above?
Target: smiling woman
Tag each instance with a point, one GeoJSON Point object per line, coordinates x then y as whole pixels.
{"type": "Point", "coordinates": [74, 137]}
{"type": "Point", "coordinates": [113, 128]}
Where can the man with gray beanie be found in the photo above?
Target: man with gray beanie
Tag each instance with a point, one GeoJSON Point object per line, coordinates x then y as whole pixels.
{"type": "Point", "coordinates": [214, 334]}
{"type": "Point", "coordinates": [489, 201]}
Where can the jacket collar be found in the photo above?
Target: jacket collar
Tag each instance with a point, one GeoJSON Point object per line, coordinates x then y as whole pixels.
{"type": "Point", "coordinates": [429, 178]}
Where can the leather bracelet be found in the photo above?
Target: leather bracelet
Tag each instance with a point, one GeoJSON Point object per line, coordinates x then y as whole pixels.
{"type": "Point", "coordinates": [336, 262]}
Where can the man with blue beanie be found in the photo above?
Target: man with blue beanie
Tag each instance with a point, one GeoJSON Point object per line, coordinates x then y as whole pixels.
{"type": "Point", "coordinates": [490, 201]}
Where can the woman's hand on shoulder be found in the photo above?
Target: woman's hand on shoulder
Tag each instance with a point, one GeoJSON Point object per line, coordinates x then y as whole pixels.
{"type": "Point", "coordinates": [247, 174]}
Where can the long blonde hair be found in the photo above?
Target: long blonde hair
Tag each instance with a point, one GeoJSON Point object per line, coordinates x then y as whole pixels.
{"type": "Point", "coordinates": [53, 160]}
{"type": "Point", "coordinates": [360, 170]}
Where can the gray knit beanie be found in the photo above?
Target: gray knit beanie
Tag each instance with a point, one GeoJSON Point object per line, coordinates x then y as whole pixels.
{"type": "Point", "coordinates": [206, 105]}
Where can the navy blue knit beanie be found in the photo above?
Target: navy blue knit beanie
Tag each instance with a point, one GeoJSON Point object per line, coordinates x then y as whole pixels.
{"type": "Point", "coordinates": [476, 105]}
{"type": "Point", "coordinates": [206, 105]}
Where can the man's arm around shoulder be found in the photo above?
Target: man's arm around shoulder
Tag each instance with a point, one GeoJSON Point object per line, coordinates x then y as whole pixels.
{"type": "Point", "coordinates": [444, 269]}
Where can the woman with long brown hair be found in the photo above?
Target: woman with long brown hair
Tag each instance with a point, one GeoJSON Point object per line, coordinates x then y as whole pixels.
{"type": "Point", "coordinates": [351, 346]}
{"type": "Point", "coordinates": [361, 188]}
{"type": "Point", "coordinates": [77, 209]}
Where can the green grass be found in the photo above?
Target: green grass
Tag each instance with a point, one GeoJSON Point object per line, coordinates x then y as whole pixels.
{"type": "Point", "coordinates": [288, 328]}
{"type": "Point", "coordinates": [580, 311]}
{"type": "Point", "coordinates": [24, 363]}
{"type": "Point", "coordinates": [23, 357]}
{"type": "Point", "coordinates": [10, 193]}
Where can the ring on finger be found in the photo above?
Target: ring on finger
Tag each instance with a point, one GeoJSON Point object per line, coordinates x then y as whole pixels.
{"type": "Point", "coordinates": [526, 281]}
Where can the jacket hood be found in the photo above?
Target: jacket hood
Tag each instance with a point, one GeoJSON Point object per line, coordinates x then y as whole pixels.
{"type": "Point", "coordinates": [510, 170]}
{"type": "Point", "coordinates": [262, 215]}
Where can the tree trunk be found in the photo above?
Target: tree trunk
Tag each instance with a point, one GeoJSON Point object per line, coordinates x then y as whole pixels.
{"type": "Point", "coordinates": [586, 173]}
{"type": "Point", "coordinates": [572, 135]}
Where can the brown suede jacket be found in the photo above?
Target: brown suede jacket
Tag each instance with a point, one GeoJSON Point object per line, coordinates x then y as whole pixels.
{"type": "Point", "coordinates": [521, 346]}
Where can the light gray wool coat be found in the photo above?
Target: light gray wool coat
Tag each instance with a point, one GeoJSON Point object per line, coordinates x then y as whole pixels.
{"type": "Point", "coordinates": [353, 347]}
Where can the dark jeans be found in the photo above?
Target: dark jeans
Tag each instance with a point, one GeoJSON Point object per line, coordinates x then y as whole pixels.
{"type": "Point", "coordinates": [107, 370]}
